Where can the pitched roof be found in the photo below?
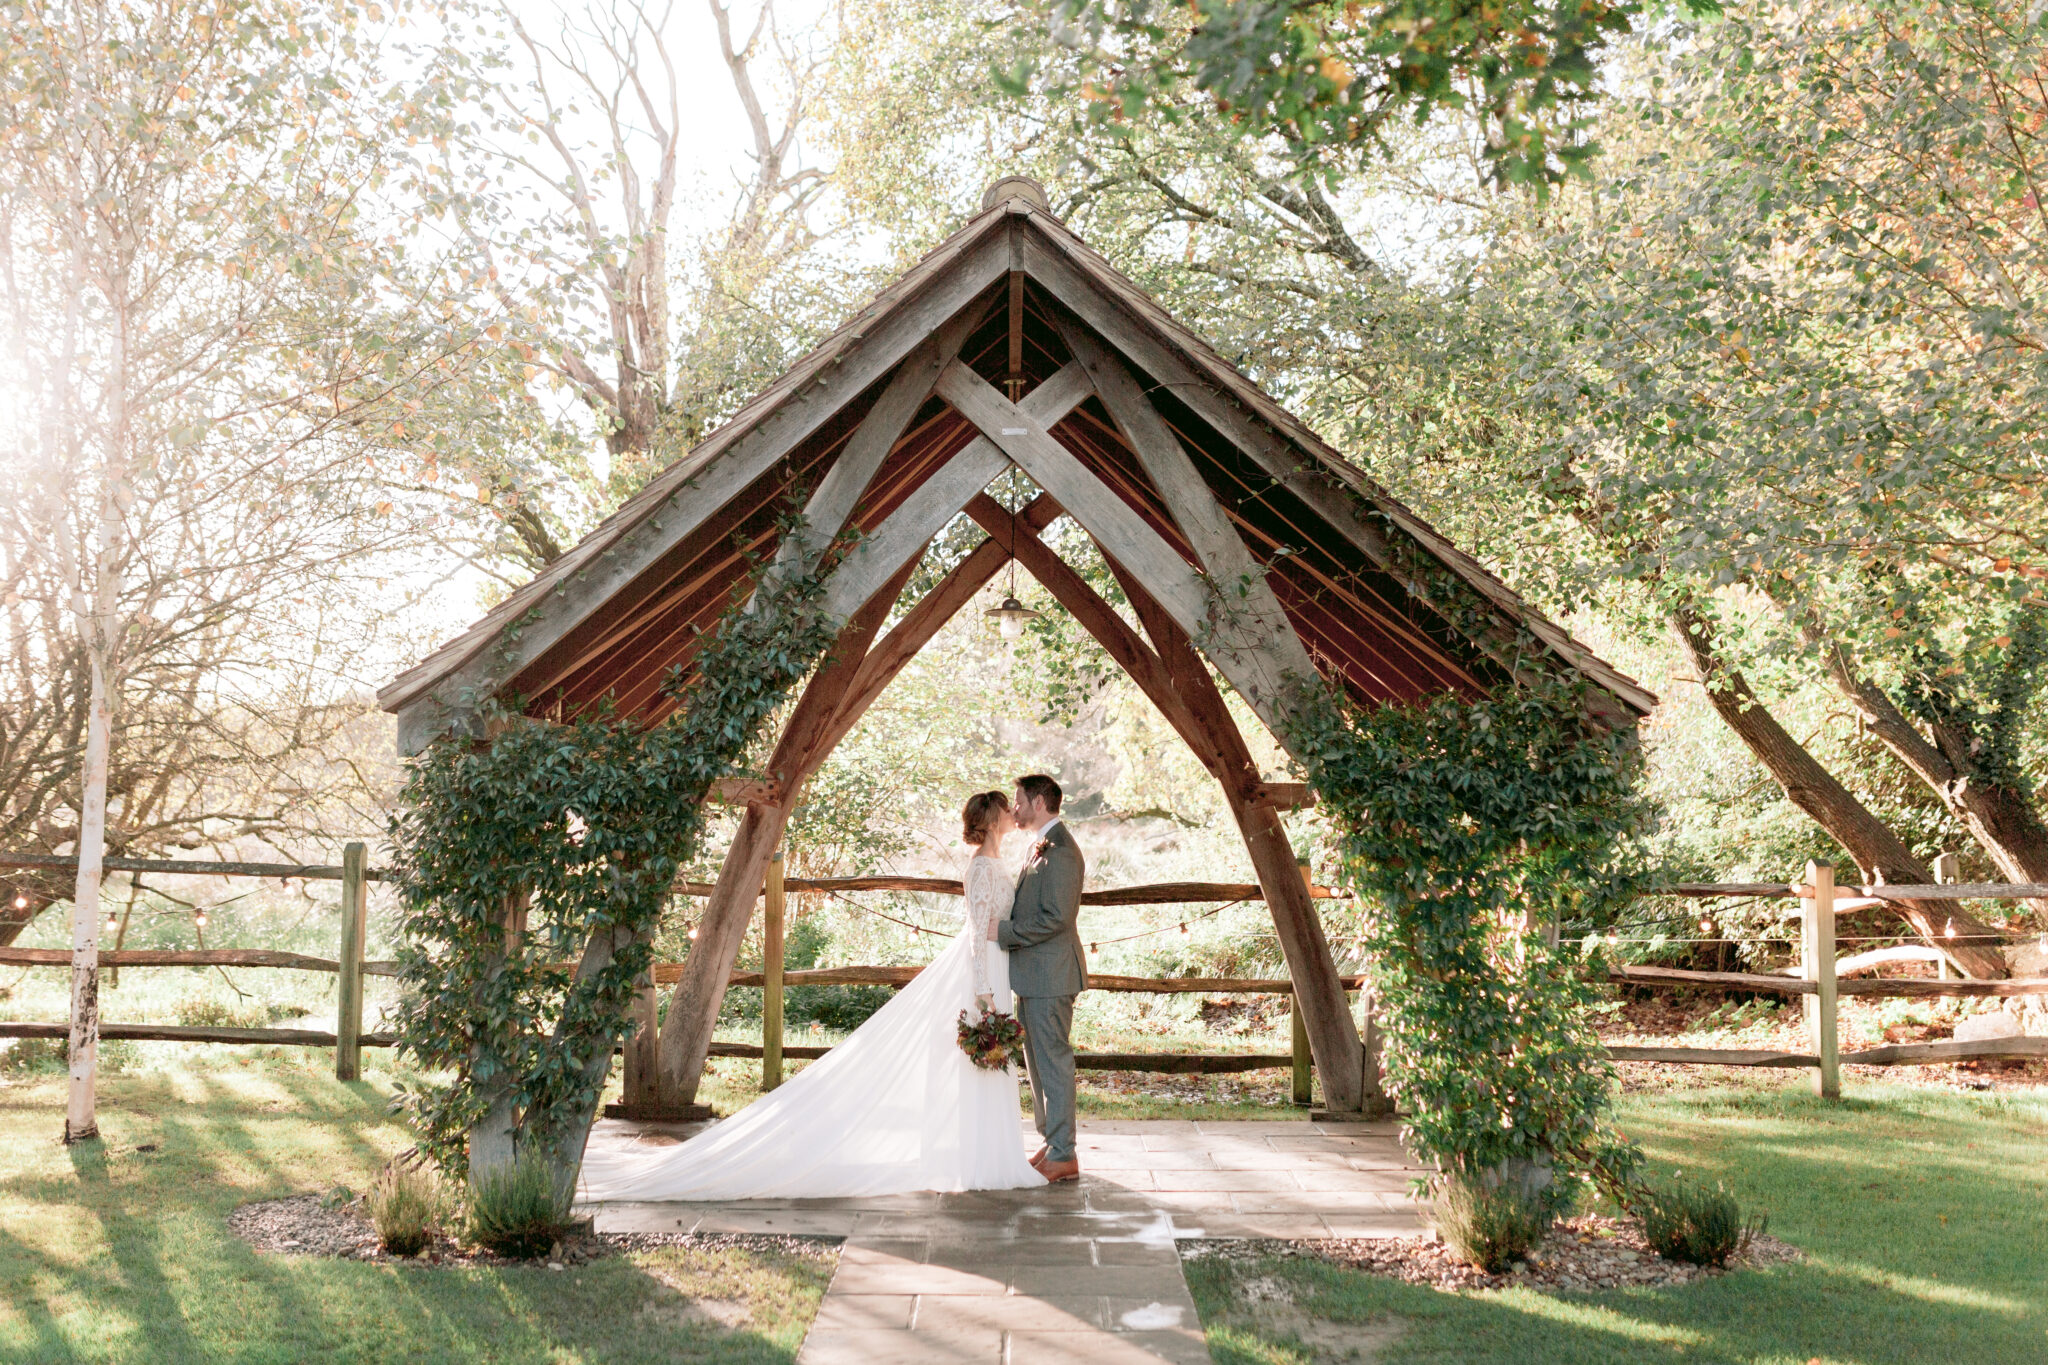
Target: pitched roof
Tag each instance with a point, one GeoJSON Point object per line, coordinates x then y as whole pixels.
{"type": "Point", "coordinates": [1046, 243]}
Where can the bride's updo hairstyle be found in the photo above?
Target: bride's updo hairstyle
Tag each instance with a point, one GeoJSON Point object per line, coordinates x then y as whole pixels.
{"type": "Point", "coordinates": [979, 814]}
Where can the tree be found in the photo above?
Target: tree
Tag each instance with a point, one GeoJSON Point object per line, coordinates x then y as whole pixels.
{"type": "Point", "coordinates": [1337, 83]}
{"type": "Point", "coordinates": [1796, 351]}
{"type": "Point", "coordinates": [1440, 332]}
{"type": "Point", "coordinates": [211, 352]}
{"type": "Point", "coordinates": [563, 187]}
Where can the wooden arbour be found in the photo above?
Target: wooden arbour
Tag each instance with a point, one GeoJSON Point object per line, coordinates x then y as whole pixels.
{"type": "Point", "coordinates": [1243, 543]}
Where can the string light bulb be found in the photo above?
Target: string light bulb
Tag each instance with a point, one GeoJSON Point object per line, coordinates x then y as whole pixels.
{"type": "Point", "coordinates": [693, 936]}
{"type": "Point", "coordinates": [113, 922]}
{"type": "Point", "coordinates": [1706, 924]}
{"type": "Point", "coordinates": [199, 919]}
{"type": "Point", "coordinates": [21, 902]}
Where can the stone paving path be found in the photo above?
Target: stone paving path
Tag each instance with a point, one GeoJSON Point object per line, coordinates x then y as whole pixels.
{"type": "Point", "coordinates": [1078, 1273]}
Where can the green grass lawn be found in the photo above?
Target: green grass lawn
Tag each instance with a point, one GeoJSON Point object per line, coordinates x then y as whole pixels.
{"type": "Point", "coordinates": [1923, 1213]}
{"type": "Point", "coordinates": [109, 1252]}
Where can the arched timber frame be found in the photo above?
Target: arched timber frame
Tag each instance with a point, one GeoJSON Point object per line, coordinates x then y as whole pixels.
{"type": "Point", "coordinates": [1012, 342]}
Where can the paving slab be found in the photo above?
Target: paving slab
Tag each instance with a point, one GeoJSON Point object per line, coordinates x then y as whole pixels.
{"type": "Point", "coordinates": [1073, 1274]}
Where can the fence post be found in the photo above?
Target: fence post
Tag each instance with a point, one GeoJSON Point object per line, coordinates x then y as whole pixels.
{"type": "Point", "coordinates": [1817, 946]}
{"type": "Point", "coordinates": [1304, 1074]}
{"type": "Point", "coordinates": [771, 974]}
{"type": "Point", "coordinates": [1947, 868]}
{"type": "Point", "coordinates": [348, 1016]}
{"type": "Point", "coordinates": [1304, 1069]}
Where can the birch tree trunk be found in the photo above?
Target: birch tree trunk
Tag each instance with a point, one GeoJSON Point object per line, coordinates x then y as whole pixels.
{"type": "Point", "coordinates": [81, 1120]}
{"type": "Point", "coordinates": [99, 627]}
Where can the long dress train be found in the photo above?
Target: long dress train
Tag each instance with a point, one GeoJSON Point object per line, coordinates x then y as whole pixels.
{"type": "Point", "coordinates": [895, 1108]}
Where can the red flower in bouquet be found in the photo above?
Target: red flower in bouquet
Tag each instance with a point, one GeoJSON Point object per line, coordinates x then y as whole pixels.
{"type": "Point", "coordinates": [994, 1041]}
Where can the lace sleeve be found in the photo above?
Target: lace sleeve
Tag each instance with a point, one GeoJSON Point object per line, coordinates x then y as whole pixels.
{"type": "Point", "coordinates": [982, 908]}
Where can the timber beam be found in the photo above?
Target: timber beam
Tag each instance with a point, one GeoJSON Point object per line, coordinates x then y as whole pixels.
{"type": "Point", "coordinates": [693, 1007]}
{"type": "Point", "coordinates": [1349, 1083]}
{"type": "Point", "coordinates": [1256, 661]}
{"type": "Point", "coordinates": [859, 671]}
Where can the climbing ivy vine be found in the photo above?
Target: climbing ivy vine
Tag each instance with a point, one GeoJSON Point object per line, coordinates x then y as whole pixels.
{"type": "Point", "coordinates": [1468, 827]}
{"type": "Point", "coordinates": [534, 866]}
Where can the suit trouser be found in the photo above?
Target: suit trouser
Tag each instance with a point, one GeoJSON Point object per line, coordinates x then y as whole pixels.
{"type": "Point", "coordinates": [1049, 1057]}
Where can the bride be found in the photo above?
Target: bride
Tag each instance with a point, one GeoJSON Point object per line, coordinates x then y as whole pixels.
{"type": "Point", "coordinates": [896, 1108]}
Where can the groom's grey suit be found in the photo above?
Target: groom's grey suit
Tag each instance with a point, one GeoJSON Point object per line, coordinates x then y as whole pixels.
{"type": "Point", "coordinates": [1047, 970]}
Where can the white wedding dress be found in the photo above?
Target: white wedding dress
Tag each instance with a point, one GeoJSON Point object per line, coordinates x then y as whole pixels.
{"type": "Point", "coordinates": [894, 1109]}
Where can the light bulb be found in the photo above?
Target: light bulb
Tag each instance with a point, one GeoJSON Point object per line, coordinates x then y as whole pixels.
{"type": "Point", "coordinates": [1706, 926]}
{"type": "Point", "coordinates": [113, 923]}
{"type": "Point", "coordinates": [21, 902]}
{"type": "Point", "coordinates": [199, 919]}
{"type": "Point", "coordinates": [693, 936]}
{"type": "Point", "coordinates": [1013, 627]}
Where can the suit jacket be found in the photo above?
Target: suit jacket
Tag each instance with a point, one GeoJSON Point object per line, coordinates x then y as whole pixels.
{"type": "Point", "coordinates": [1043, 932]}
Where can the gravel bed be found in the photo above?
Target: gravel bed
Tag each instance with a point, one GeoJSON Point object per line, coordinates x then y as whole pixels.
{"type": "Point", "coordinates": [338, 1225]}
{"type": "Point", "coordinates": [1588, 1252]}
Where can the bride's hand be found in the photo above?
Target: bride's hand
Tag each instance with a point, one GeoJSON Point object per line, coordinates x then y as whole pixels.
{"type": "Point", "coordinates": [984, 1003]}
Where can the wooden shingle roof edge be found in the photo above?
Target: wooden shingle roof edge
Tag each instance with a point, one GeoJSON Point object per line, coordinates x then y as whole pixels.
{"type": "Point", "coordinates": [1053, 238]}
{"type": "Point", "coordinates": [411, 684]}
{"type": "Point", "coordinates": [1147, 312]}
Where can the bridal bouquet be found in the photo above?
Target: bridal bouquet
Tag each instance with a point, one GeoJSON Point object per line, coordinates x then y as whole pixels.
{"type": "Point", "coordinates": [994, 1041]}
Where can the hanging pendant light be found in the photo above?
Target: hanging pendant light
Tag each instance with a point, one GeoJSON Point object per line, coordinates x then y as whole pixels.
{"type": "Point", "coordinates": [1011, 616]}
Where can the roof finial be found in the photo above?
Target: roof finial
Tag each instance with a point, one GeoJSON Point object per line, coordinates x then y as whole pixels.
{"type": "Point", "coordinates": [1016, 187]}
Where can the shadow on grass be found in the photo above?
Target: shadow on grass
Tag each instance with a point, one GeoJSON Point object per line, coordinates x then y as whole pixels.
{"type": "Point", "coordinates": [1781, 1316]}
{"type": "Point", "coordinates": [1921, 1212]}
{"type": "Point", "coordinates": [112, 1253]}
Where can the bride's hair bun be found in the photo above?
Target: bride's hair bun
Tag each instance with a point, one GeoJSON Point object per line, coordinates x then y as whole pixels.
{"type": "Point", "coordinates": [979, 813]}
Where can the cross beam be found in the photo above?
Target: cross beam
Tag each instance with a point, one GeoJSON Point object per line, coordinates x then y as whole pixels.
{"type": "Point", "coordinates": [839, 694]}
{"type": "Point", "coordinates": [1249, 652]}
{"type": "Point", "coordinates": [1350, 1081]}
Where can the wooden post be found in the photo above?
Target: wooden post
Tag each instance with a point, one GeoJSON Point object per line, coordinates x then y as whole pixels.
{"type": "Point", "coordinates": [348, 1012]}
{"type": "Point", "coordinates": [642, 1085]}
{"type": "Point", "coordinates": [1304, 1079]}
{"type": "Point", "coordinates": [1947, 868]}
{"type": "Point", "coordinates": [1304, 1075]}
{"type": "Point", "coordinates": [1320, 996]}
{"type": "Point", "coordinates": [1818, 966]}
{"type": "Point", "coordinates": [771, 974]}
{"type": "Point", "coordinates": [1374, 1103]}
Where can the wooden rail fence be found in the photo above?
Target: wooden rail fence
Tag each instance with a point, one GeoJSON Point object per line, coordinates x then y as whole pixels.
{"type": "Point", "coordinates": [1819, 983]}
{"type": "Point", "coordinates": [349, 1038]}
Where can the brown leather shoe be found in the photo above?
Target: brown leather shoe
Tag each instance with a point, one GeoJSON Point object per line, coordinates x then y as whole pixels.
{"type": "Point", "coordinates": [1059, 1172]}
{"type": "Point", "coordinates": [1038, 1157]}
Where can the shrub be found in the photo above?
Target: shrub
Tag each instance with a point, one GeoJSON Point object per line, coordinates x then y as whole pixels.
{"type": "Point", "coordinates": [52, 1056]}
{"type": "Point", "coordinates": [405, 1208]}
{"type": "Point", "coordinates": [1498, 1218]}
{"type": "Point", "coordinates": [841, 1008]}
{"type": "Point", "coordinates": [515, 1210]}
{"type": "Point", "coordinates": [1688, 1222]}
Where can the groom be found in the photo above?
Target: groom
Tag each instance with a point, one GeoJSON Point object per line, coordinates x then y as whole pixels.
{"type": "Point", "coordinates": [1047, 968]}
